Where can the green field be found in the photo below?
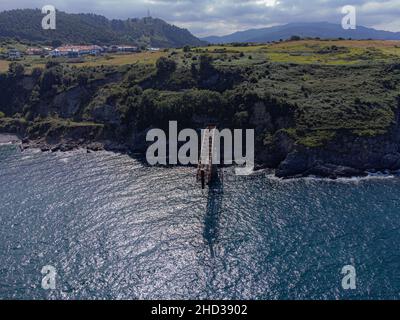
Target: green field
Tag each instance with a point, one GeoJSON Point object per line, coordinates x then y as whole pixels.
{"type": "Point", "coordinates": [31, 62]}
{"type": "Point", "coordinates": [319, 52]}
{"type": "Point", "coordinates": [332, 52]}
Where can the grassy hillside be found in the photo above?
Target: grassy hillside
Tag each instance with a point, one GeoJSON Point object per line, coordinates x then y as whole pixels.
{"type": "Point", "coordinates": [313, 90]}
{"type": "Point", "coordinates": [335, 85]}
{"type": "Point", "coordinates": [329, 52]}
{"type": "Point", "coordinates": [310, 52]}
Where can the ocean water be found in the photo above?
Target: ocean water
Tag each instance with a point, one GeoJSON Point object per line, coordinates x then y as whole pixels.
{"type": "Point", "coordinates": [114, 228]}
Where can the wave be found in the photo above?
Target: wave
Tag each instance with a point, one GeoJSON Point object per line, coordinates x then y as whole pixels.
{"type": "Point", "coordinates": [370, 176]}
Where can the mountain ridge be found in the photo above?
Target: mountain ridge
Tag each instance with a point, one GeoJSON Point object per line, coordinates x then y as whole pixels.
{"type": "Point", "coordinates": [86, 28]}
{"type": "Point", "coordinates": [323, 30]}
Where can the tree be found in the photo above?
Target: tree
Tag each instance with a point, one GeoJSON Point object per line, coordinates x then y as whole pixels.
{"type": "Point", "coordinates": [51, 77]}
{"type": "Point", "coordinates": [295, 38]}
{"type": "Point", "coordinates": [186, 49]}
{"type": "Point", "coordinates": [56, 43]}
{"type": "Point", "coordinates": [83, 78]}
{"type": "Point", "coordinates": [50, 64]}
{"type": "Point", "coordinates": [193, 70]}
{"type": "Point", "coordinates": [206, 67]}
{"type": "Point", "coordinates": [165, 66]}
{"type": "Point", "coordinates": [16, 70]}
{"type": "Point", "coordinates": [241, 119]}
{"type": "Point", "coordinates": [36, 73]}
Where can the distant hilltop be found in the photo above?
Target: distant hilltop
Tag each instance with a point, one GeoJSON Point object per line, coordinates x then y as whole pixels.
{"type": "Point", "coordinates": [323, 30]}
{"type": "Point", "coordinates": [25, 25]}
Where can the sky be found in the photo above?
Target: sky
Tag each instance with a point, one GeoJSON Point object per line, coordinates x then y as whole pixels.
{"type": "Point", "coordinates": [221, 17]}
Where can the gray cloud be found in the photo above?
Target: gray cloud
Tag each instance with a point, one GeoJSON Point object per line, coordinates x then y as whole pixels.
{"type": "Point", "coordinates": [217, 17]}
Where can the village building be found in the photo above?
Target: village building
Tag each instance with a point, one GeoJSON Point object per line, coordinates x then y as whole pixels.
{"type": "Point", "coordinates": [35, 51]}
{"type": "Point", "coordinates": [14, 54]}
{"type": "Point", "coordinates": [112, 49]}
{"type": "Point", "coordinates": [127, 49]}
{"type": "Point", "coordinates": [76, 51]}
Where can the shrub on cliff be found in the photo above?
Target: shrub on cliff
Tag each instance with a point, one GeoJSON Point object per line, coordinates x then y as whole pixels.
{"type": "Point", "coordinates": [36, 73]}
{"type": "Point", "coordinates": [83, 78]}
{"type": "Point", "coordinates": [50, 78]}
{"type": "Point", "coordinates": [156, 108]}
{"type": "Point", "coordinates": [165, 66]}
{"type": "Point", "coordinates": [16, 70]}
{"type": "Point", "coordinates": [206, 68]}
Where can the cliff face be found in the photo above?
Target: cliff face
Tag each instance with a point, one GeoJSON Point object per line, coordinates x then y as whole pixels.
{"type": "Point", "coordinates": [307, 121]}
{"type": "Point", "coordinates": [346, 155]}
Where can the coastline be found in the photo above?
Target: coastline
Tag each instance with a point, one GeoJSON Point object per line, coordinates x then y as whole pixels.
{"type": "Point", "coordinates": [9, 138]}
{"type": "Point", "coordinates": [270, 173]}
{"type": "Point", "coordinates": [110, 146]}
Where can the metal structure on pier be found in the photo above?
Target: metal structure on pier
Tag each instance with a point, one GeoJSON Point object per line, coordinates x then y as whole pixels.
{"type": "Point", "coordinates": [206, 168]}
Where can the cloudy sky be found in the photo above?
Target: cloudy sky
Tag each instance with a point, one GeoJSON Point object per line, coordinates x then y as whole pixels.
{"type": "Point", "coordinates": [219, 17]}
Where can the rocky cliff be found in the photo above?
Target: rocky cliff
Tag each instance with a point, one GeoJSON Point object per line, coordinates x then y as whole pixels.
{"type": "Point", "coordinates": [302, 127]}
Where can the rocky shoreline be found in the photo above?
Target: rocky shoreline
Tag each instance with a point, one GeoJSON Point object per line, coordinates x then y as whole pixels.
{"type": "Point", "coordinates": [66, 146]}
{"type": "Point", "coordinates": [9, 139]}
{"type": "Point", "coordinates": [292, 167]}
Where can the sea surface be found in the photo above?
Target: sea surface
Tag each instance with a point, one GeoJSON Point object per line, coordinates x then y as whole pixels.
{"type": "Point", "coordinates": [114, 228]}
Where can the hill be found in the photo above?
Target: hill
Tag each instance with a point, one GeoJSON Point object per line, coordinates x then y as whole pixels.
{"type": "Point", "coordinates": [91, 28]}
{"type": "Point", "coordinates": [321, 30]}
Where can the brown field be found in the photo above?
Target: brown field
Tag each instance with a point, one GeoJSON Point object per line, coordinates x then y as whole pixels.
{"type": "Point", "coordinates": [31, 62]}
{"type": "Point", "coordinates": [4, 65]}
{"type": "Point", "coordinates": [120, 59]}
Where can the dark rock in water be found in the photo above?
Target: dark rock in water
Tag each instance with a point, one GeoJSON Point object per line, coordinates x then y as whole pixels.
{"type": "Point", "coordinates": [299, 164]}
{"type": "Point", "coordinates": [95, 146]}
{"type": "Point", "coordinates": [67, 147]}
{"type": "Point", "coordinates": [9, 138]}
{"type": "Point", "coordinates": [115, 147]}
{"type": "Point", "coordinates": [391, 161]}
{"type": "Point", "coordinates": [258, 167]}
{"type": "Point", "coordinates": [295, 164]}
{"type": "Point", "coordinates": [327, 170]}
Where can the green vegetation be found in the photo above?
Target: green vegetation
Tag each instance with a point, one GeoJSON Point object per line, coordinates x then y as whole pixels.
{"type": "Point", "coordinates": [111, 60]}
{"type": "Point", "coordinates": [317, 138]}
{"type": "Point", "coordinates": [92, 29]}
{"type": "Point", "coordinates": [312, 91]}
{"type": "Point", "coordinates": [320, 52]}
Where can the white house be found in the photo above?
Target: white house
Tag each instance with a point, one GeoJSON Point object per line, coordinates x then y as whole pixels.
{"type": "Point", "coordinates": [14, 54]}
{"type": "Point", "coordinates": [127, 49]}
{"type": "Point", "coordinates": [76, 51]}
